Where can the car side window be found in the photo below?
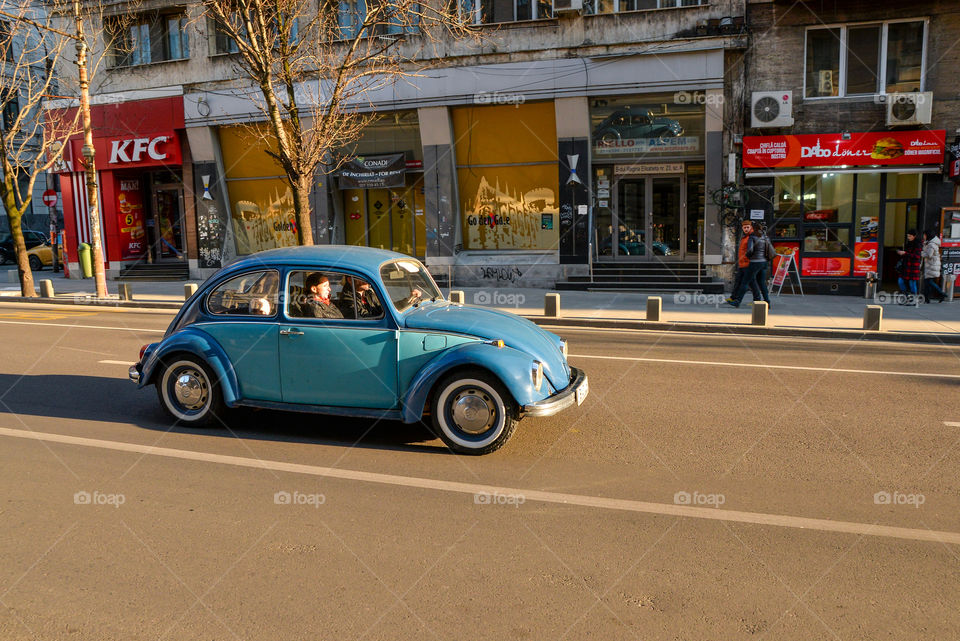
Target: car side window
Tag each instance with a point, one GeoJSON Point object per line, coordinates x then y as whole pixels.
{"type": "Point", "coordinates": [250, 294]}
{"type": "Point", "coordinates": [332, 295]}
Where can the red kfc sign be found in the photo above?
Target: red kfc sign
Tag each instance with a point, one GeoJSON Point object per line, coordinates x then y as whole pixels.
{"type": "Point", "coordinates": [830, 150]}
{"type": "Point", "coordinates": [140, 150]}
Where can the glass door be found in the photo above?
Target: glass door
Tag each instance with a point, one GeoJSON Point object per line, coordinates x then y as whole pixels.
{"type": "Point", "coordinates": [647, 220]}
{"type": "Point", "coordinates": [167, 222]}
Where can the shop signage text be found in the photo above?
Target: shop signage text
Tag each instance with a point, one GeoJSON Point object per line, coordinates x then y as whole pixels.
{"type": "Point", "coordinates": [649, 168]}
{"type": "Point", "coordinates": [679, 144]}
{"type": "Point", "coordinates": [374, 172]}
{"type": "Point", "coordinates": [132, 149]}
{"type": "Point", "coordinates": [830, 150]}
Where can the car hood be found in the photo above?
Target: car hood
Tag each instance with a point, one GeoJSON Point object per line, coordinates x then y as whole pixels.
{"type": "Point", "coordinates": [491, 324]}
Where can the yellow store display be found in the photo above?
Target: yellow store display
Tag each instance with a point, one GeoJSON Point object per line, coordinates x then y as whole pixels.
{"type": "Point", "coordinates": [262, 215]}
{"type": "Point", "coordinates": [508, 176]}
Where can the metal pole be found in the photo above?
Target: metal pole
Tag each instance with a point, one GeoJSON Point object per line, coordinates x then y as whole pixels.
{"type": "Point", "coordinates": [88, 155]}
{"type": "Point", "coordinates": [53, 238]}
{"type": "Point", "coordinates": [700, 231]}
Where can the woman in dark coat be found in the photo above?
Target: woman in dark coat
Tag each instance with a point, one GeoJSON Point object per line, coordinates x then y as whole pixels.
{"type": "Point", "coordinates": [910, 273]}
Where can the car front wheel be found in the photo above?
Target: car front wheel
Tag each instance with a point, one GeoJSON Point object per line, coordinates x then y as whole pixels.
{"type": "Point", "coordinates": [473, 413]}
{"type": "Point", "coordinates": [190, 393]}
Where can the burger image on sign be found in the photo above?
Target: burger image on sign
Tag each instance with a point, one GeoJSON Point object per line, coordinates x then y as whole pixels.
{"type": "Point", "coordinates": [886, 149]}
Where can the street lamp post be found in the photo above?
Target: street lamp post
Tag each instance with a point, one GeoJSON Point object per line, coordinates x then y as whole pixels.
{"type": "Point", "coordinates": [90, 168]}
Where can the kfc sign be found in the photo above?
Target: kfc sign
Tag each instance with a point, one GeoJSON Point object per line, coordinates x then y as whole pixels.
{"type": "Point", "coordinates": [132, 149]}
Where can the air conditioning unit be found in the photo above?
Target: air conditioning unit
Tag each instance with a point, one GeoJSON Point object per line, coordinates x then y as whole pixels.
{"type": "Point", "coordinates": [566, 6]}
{"type": "Point", "coordinates": [771, 109]}
{"type": "Point", "coordinates": [909, 108]}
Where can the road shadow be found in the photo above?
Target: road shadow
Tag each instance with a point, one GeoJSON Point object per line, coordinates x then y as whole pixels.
{"type": "Point", "coordinates": [97, 398]}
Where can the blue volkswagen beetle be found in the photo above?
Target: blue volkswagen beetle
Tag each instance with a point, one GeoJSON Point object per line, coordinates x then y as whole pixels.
{"type": "Point", "coordinates": [355, 331]}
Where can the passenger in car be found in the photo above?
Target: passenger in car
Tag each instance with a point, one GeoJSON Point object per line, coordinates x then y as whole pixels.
{"type": "Point", "coordinates": [318, 303]}
{"type": "Point", "coordinates": [365, 305]}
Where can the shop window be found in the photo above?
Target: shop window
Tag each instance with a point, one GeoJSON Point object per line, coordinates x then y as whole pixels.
{"type": "Point", "coordinates": [508, 176]}
{"type": "Point", "coordinates": [826, 240]}
{"type": "Point", "coordinates": [904, 186]}
{"type": "Point", "coordinates": [153, 37]}
{"type": "Point", "coordinates": [649, 126]}
{"type": "Point", "coordinates": [787, 198]}
{"type": "Point", "coordinates": [828, 198]}
{"type": "Point", "coordinates": [883, 57]}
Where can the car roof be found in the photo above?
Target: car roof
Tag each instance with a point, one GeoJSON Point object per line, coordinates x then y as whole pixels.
{"type": "Point", "coordinates": [366, 259]}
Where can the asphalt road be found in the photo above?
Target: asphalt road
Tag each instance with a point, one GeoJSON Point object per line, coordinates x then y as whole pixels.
{"type": "Point", "coordinates": [711, 487]}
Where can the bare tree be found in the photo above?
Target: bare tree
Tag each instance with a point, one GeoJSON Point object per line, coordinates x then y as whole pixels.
{"type": "Point", "coordinates": [314, 65]}
{"type": "Point", "coordinates": [29, 146]}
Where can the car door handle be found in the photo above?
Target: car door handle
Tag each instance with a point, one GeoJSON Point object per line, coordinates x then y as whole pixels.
{"type": "Point", "coordinates": [293, 331]}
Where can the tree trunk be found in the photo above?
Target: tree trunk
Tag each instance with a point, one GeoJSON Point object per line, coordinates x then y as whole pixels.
{"type": "Point", "coordinates": [301, 206]}
{"type": "Point", "coordinates": [14, 217]}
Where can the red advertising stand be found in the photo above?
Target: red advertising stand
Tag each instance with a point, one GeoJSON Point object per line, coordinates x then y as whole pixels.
{"type": "Point", "coordinates": [950, 244]}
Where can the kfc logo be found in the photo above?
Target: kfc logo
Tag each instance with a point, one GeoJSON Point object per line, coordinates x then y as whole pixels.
{"type": "Point", "coordinates": [132, 149]}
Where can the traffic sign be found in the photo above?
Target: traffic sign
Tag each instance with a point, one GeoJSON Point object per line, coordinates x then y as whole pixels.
{"type": "Point", "coordinates": [50, 198]}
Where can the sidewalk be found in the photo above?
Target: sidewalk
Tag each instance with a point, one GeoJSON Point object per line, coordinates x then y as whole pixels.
{"type": "Point", "coordinates": [787, 311]}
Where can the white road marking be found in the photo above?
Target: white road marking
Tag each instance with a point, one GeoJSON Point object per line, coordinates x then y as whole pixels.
{"type": "Point", "coordinates": [665, 509]}
{"type": "Point", "coordinates": [951, 424]}
{"type": "Point", "coordinates": [837, 370]}
{"type": "Point", "coordinates": [749, 337]}
{"type": "Point", "coordinates": [126, 329]}
{"type": "Point", "coordinates": [127, 363]}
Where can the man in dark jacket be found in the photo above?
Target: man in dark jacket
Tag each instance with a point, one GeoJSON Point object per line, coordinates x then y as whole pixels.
{"type": "Point", "coordinates": [362, 304]}
{"type": "Point", "coordinates": [318, 303]}
{"type": "Point", "coordinates": [751, 259]}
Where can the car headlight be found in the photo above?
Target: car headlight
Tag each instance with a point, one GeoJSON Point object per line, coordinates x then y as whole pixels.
{"type": "Point", "coordinates": [536, 372]}
{"type": "Point", "coordinates": [563, 349]}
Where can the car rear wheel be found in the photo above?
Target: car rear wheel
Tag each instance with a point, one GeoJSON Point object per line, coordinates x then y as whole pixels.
{"type": "Point", "coordinates": [36, 264]}
{"type": "Point", "coordinates": [190, 393]}
{"type": "Point", "coordinates": [473, 413]}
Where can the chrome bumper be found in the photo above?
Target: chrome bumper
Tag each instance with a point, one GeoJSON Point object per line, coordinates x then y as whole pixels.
{"type": "Point", "coordinates": [134, 374]}
{"type": "Point", "coordinates": [559, 401]}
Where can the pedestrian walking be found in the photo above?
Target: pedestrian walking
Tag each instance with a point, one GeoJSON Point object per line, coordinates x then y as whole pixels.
{"type": "Point", "coordinates": [931, 266]}
{"type": "Point", "coordinates": [769, 252]}
{"type": "Point", "coordinates": [751, 259]}
{"type": "Point", "coordinates": [909, 267]}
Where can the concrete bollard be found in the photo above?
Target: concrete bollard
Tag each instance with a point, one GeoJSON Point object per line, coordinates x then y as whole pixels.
{"type": "Point", "coordinates": [873, 318]}
{"type": "Point", "coordinates": [760, 310]}
{"type": "Point", "coordinates": [551, 305]}
{"type": "Point", "coordinates": [654, 308]}
{"type": "Point", "coordinates": [125, 291]}
{"type": "Point", "coordinates": [46, 288]}
{"type": "Point", "coordinates": [870, 291]}
{"type": "Point", "coordinates": [457, 296]}
{"type": "Point", "coordinates": [189, 289]}
{"type": "Point", "coordinates": [948, 285]}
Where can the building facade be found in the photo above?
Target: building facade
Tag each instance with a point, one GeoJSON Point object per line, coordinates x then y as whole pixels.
{"type": "Point", "coordinates": [564, 138]}
{"type": "Point", "coordinates": [852, 104]}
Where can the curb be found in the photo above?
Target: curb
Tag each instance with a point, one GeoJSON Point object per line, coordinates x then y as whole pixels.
{"type": "Point", "coordinates": [704, 328]}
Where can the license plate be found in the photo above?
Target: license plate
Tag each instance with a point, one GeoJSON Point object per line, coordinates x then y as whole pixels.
{"type": "Point", "coordinates": [582, 391]}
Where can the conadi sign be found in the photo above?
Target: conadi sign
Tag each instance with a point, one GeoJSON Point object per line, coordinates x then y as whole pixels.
{"type": "Point", "coordinates": [374, 172]}
{"type": "Point", "coordinates": [918, 147]}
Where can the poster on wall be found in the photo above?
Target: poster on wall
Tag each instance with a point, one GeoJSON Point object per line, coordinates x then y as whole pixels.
{"type": "Point", "coordinates": [825, 267]}
{"type": "Point", "coordinates": [865, 258]}
{"type": "Point", "coordinates": [374, 172]}
{"type": "Point", "coordinates": [263, 216]}
{"type": "Point", "coordinates": [869, 228]}
{"type": "Point", "coordinates": [130, 213]}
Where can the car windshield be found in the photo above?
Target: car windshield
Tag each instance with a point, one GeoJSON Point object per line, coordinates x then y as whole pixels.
{"type": "Point", "coordinates": [407, 283]}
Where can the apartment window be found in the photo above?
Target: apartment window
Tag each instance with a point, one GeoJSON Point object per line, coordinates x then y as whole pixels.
{"type": "Point", "coordinates": [6, 41]}
{"type": "Point", "coordinates": [864, 59]}
{"type": "Point", "coordinates": [10, 112]}
{"type": "Point", "coordinates": [150, 38]}
{"type": "Point", "coordinates": [351, 15]}
{"type": "Point", "coordinates": [222, 43]}
{"type": "Point", "coordinates": [497, 11]}
{"type": "Point", "coordinates": [617, 6]}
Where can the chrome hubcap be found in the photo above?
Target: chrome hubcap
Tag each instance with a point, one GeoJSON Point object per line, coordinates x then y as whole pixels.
{"type": "Point", "coordinates": [473, 411]}
{"type": "Point", "coordinates": [190, 389]}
